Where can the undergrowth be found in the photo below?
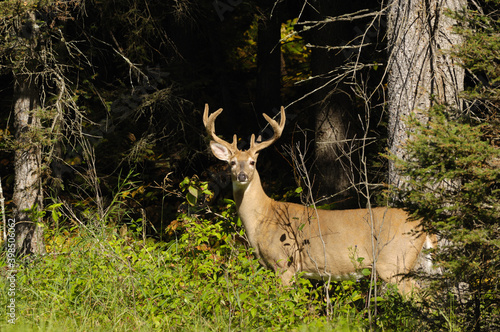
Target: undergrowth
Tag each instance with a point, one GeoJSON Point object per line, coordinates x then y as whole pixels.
{"type": "Point", "coordinates": [202, 279]}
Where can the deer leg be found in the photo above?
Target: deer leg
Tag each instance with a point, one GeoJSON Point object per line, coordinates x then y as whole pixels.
{"type": "Point", "coordinates": [395, 274]}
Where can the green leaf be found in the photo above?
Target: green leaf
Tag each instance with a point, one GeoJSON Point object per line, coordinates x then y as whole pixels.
{"type": "Point", "coordinates": [191, 199]}
{"type": "Point", "coordinates": [366, 272]}
{"type": "Point", "coordinates": [184, 182]}
{"type": "Point", "coordinates": [193, 191]}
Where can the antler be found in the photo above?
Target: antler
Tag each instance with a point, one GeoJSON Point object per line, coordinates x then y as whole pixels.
{"type": "Point", "coordinates": [209, 122]}
{"type": "Point", "coordinates": [278, 129]}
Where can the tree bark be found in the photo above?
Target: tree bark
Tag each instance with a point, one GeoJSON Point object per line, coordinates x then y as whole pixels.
{"type": "Point", "coordinates": [421, 70]}
{"type": "Point", "coordinates": [331, 149]}
{"type": "Point", "coordinates": [332, 105]}
{"type": "Point", "coordinates": [28, 195]}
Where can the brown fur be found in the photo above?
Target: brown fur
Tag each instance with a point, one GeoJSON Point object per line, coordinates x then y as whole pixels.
{"type": "Point", "coordinates": [292, 238]}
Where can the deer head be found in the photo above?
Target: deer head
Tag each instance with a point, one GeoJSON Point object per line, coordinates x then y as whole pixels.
{"type": "Point", "coordinates": [242, 163]}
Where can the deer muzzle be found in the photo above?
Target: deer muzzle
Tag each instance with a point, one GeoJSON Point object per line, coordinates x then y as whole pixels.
{"type": "Point", "coordinates": [242, 177]}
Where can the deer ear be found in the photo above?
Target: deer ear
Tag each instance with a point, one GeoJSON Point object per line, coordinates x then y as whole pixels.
{"type": "Point", "coordinates": [220, 151]}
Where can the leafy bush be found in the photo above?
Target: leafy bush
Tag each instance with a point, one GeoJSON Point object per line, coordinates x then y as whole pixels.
{"type": "Point", "coordinates": [201, 280]}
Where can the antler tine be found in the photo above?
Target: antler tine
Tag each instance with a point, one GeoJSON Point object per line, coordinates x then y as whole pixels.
{"type": "Point", "coordinates": [209, 122]}
{"type": "Point", "coordinates": [277, 128]}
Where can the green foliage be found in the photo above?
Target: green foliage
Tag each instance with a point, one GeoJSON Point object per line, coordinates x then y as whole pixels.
{"type": "Point", "coordinates": [200, 281]}
{"type": "Point", "coordinates": [453, 179]}
{"type": "Point", "coordinates": [194, 190]}
{"type": "Point", "coordinates": [480, 53]}
{"type": "Point", "coordinates": [295, 53]}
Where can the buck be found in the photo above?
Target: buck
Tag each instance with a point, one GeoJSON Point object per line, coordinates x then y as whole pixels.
{"type": "Point", "coordinates": [323, 244]}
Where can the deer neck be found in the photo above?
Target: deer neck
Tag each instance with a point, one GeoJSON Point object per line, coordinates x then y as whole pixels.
{"type": "Point", "coordinates": [252, 203]}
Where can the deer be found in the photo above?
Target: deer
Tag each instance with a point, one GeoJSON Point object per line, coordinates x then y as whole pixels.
{"type": "Point", "coordinates": [293, 238]}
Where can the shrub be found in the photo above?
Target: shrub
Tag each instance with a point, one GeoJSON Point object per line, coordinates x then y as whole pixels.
{"type": "Point", "coordinates": [453, 186]}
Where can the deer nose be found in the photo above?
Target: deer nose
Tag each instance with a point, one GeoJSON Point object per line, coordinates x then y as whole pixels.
{"type": "Point", "coordinates": [242, 177]}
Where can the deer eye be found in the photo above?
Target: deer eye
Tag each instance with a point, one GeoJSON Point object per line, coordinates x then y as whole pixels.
{"type": "Point", "coordinates": [252, 162]}
{"type": "Point", "coordinates": [232, 163]}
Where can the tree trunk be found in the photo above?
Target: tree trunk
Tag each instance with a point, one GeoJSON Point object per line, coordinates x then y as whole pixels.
{"type": "Point", "coordinates": [332, 153]}
{"type": "Point", "coordinates": [332, 106]}
{"type": "Point", "coordinates": [28, 196]}
{"type": "Point", "coordinates": [421, 71]}
{"type": "Point", "coordinates": [268, 64]}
